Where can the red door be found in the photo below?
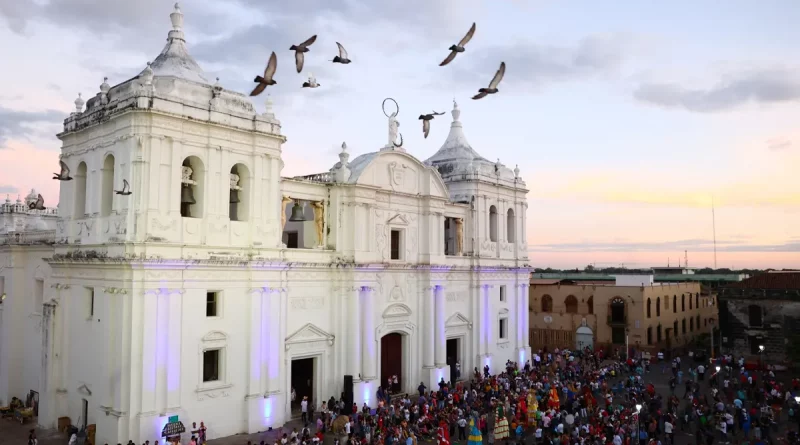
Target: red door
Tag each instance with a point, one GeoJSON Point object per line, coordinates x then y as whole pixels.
{"type": "Point", "coordinates": [392, 360]}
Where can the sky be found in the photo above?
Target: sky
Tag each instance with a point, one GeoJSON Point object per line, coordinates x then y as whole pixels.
{"type": "Point", "coordinates": [626, 118]}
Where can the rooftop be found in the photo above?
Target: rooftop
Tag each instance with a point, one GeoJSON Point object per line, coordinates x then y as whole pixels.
{"type": "Point", "coordinates": [788, 280]}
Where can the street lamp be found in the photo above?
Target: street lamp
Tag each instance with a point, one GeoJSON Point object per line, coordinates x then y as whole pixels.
{"type": "Point", "coordinates": [797, 399]}
{"type": "Point", "coordinates": [760, 355]}
{"type": "Point", "coordinates": [638, 408]}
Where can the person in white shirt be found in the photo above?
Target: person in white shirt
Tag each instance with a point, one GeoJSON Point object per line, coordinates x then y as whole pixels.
{"type": "Point", "coordinates": [668, 431]}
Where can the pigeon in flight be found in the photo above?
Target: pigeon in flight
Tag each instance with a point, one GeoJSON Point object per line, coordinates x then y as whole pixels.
{"type": "Point", "coordinates": [426, 122]}
{"type": "Point", "coordinates": [342, 57]}
{"type": "Point", "coordinates": [126, 189]}
{"type": "Point", "coordinates": [312, 82]}
{"type": "Point", "coordinates": [38, 205]}
{"type": "Point", "coordinates": [64, 174]}
{"type": "Point", "coordinates": [267, 80]}
{"type": "Point", "coordinates": [455, 49]}
{"type": "Point", "coordinates": [493, 84]}
{"type": "Point", "coordinates": [299, 51]}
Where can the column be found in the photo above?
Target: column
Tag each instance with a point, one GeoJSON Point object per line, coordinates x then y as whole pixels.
{"type": "Point", "coordinates": [256, 350]}
{"type": "Point", "coordinates": [149, 331]}
{"type": "Point", "coordinates": [440, 342]}
{"type": "Point", "coordinates": [487, 317]}
{"type": "Point", "coordinates": [174, 351]}
{"type": "Point", "coordinates": [162, 338]}
{"type": "Point", "coordinates": [428, 311]}
{"type": "Point", "coordinates": [519, 323]}
{"type": "Point", "coordinates": [526, 321]}
{"type": "Point", "coordinates": [354, 358]}
{"type": "Point", "coordinates": [369, 348]}
{"type": "Point", "coordinates": [272, 305]}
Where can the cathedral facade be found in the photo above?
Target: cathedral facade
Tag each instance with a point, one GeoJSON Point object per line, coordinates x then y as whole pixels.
{"type": "Point", "coordinates": [217, 287]}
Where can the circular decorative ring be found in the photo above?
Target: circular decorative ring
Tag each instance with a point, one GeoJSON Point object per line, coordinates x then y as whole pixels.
{"type": "Point", "coordinates": [396, 106]}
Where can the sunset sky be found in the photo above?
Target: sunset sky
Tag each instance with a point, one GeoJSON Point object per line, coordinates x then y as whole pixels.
{"type": "Point", "coordinates": [626, 118]}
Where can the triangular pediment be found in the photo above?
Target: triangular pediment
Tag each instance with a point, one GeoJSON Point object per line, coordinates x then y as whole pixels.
{"type": "Point", "coordinates": [456, 320]}
{"type": "Point", "coordinates": [308, 333]}
{"type": "Point", "coordinates": [398, 220]}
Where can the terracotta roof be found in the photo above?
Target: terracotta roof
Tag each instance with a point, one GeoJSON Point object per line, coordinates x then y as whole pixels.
{"type": "Point", "coordinates": [770, 280]}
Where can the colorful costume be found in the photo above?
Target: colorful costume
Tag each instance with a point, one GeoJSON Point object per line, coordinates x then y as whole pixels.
{"type": "Point", "coordinates": [475, 437]}
{"type": "Point", "coordinates": [500, 424]}
{"type": "Point", "coordinates": [443, 436]}
{"type": "Point", "coordinates": [533, 406]}
{"type": "Point", "coordinates": [552, 401]}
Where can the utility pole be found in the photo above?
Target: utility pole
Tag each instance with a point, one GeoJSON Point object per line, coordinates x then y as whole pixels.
{"type": "Point", "coordinates": [714, 229]}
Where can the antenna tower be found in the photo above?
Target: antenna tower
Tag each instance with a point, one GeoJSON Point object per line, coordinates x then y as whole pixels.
{"type": "Point", "coordinates": [714, 231]}
{"type": "Point", "coordinates": [685, 258]}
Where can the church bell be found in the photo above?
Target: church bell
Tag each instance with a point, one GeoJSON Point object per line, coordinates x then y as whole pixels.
{"type": "Point", "coordinates": [297, 213]}
{"type": "Point", "coordinates": [187, 195]}
{"type": "Point", "coordinates": [234, 197]}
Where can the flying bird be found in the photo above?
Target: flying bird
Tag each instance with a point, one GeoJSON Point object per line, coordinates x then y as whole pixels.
{"type": "Point", "coordinates": [426, 122]}
{"type": "Point", "coordinates": [299, 51]}
{"type": "Point", "coordinates": [493, 84]}
{"type": "Point", "coordinates": [64, 174]}
{"type": "Point", "coordinates": [267, 80]}
{"type": "Point", "coordinates": [459, 48]}
{"type": "Point", "coordinates": [38, 205]}
{"type": "Point", "coordinates": [312, 82]}
{"type": "Point", "coordinates": [126, 189]}
{"type": "Point", "coordinates": [342, 57]}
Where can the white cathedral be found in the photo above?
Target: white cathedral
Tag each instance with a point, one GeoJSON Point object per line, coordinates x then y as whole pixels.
{"type": "Point", "coordinates": [218, 286]}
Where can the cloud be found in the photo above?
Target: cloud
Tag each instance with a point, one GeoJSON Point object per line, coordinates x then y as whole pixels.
{"type": "Point", "coordinates": [532, 64]}
{"type": "Point", "coordinates": [694, 245]}
{"type": "Point", "coordinates": [16, 124]}
{"type": "Point", "coordinates": [732, 91]}
{"type": "Point", "coordinates": [778, 144]}
{"type": "Point", "coordinates": [8, 189]}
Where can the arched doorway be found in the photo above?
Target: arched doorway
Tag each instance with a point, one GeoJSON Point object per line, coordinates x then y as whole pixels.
{"type": "Point", "coordinates": [392, 360]}
{"type": "Point", "coordinates": [584, 338]}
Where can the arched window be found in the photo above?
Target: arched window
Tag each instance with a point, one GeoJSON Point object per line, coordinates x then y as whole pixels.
{"type": "Point", "coordinates": [590, 304]}
{"type": "Point", "coordinates": [658, 307]}
{"type": "Point", "coordinates": [675, 328]}
{"type": "Point", "coordinates": [683, 302]}
{"type": "Point", "coordinates": [690, 302]}
{"type": "Point", "coordinates": [697, 322]}
{"type": "Point", "coordinates": [192, 182]}
{"type": "Point", "coordinates": [683, 327]}
{"type": "Point", "coordinates": [691, 321]}
{"type": "Point", "coordinates": [107, 187]}
{"type": "Point", "coordinates": [240, 190]}
{"type": "Point", "coordinates": [649, 335]}
{"type": "Point", "coordinates": [511, 226]}
{"type": "Point", "coordinates": [493, 223]}
{"type": "Point", "coordinates": [572, 304]}
{"type": "Point", "coordinates": [618, 311]}
{"type": "Point", "coordinates": [649, 303]}
{"type": "Point", "coordinates": [755, 315]}
{"type": "Point", "coordinates": [80, 191]}
{"type": "Point", "coordinates": [547, 303]}
{"type": "Point", "coordinates": [658, 334]}
{"type": "Point", "coordinates": [697, 301]}
{"type": "Point", "coordinates": [674, 304]}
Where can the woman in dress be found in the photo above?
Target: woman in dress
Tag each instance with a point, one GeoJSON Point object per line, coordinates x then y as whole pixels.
{"type": "Point", "coordinates": [475, 437]}
{"type": "Point", "coordinates": [500, 424]}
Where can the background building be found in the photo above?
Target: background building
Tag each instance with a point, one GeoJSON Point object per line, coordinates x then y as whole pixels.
{"type": "Point", "coordinates": [217, 285]}
{"type": "Point", "coordinates": [763, 310]}
{"type": "Point", "coordinates": [653, 316]}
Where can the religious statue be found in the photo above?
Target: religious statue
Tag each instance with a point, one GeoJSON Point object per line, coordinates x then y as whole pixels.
{"type": "Point", "coordinates": [393, 129]}
{"type": "Point", "coordinates": [319, 220]}
{"type": "Point", "coordinates": [186, 175]}
{"type": "Point", "coordinates": [459, 236]}
{"type": "Point", "coordinates": [284, 201]}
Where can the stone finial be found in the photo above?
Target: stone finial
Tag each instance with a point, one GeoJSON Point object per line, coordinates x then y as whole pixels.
{"type": "Point", "coordinates": [217, 84]}
{"type": "Point", "coordinates": [344, 156]}
{"type": "Point", "coordinates": [516, 171]}
{"type": "Point", "coordinates": [79, 103]}
{"type": "Point", "coordinates": [177, 18]}
{"type": "Point", "coordinates": [456, 112]}
{"type": "Point", "coordinates": [147, 75]}
{"type": "Point", "coordinates": [105, 87]}
{"type": "Point", "coordinates": [268, 104]}
{"type": "Point", "coordinates": [19, 201]}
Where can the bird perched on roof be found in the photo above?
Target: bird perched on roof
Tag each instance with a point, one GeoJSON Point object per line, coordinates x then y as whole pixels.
{"type": "Point", "coordinates": [267, 80]}
{"type": "Point", "coordinates": [459, 48]}
{"type": "Point", "coordinates": [312, 82]}
{"type": "Point", "coordinates": [492, 89]}
{"type": "Point", "coordinates": [426, 122]}
{"type": "Point", "coordinates": [300, 50]}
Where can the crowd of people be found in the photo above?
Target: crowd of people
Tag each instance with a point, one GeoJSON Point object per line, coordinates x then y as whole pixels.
{"type": "Point", "coordinates": [573, 398]}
